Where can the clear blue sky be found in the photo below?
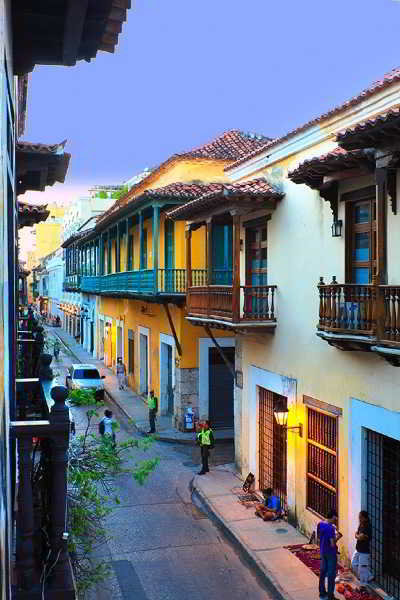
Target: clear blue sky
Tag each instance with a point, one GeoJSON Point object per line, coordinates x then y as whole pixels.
{"type": "Point", "coordinates": [186, 70]}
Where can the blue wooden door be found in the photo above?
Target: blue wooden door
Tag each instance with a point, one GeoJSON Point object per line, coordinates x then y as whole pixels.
{"type": "Point", "coordinates": [222, 255]}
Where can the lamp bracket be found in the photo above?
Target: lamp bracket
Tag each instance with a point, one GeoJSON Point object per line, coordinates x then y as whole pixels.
{"type": "Point", "coordinates": [298, 428]}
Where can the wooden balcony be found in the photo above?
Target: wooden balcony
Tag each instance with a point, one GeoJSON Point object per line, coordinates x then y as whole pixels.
{"type": "Point", "coordinates": [40, 438]}
{"type": "Point", "coordinates": [361, 317]}
{"type": "Point", "coordinates": [72, 283]}
{"type": "Point", "coordinates": [144, 282]}
{"type": "Point", "coordinates": [247, 308]}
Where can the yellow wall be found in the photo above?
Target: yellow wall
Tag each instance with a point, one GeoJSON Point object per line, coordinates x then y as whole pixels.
{"type": "Point", "coordinates": [48, 234]}
{"type": "Point", "coordinates": [155, 319]}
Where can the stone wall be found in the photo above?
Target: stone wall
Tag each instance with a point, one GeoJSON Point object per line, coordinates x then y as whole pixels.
{"type": "Point", "coordinates": [186, 394]}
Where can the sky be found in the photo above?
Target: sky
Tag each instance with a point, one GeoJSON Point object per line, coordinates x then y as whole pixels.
{"type": "Point", "coordinates": [184, 71]}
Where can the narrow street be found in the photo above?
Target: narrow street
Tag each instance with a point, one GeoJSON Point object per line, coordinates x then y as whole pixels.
{"type": "Point", "coordinates": [162, 546]}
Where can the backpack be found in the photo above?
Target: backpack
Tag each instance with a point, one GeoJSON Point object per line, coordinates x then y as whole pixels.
{"type": "Point", "coordinates": [102, 427]}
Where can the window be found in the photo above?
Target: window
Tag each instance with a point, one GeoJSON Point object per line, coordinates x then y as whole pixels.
{"type": "Point", "coordinates": [360, 236]}
{"type": "Point", "coordinates": [222, 254]}
{"type": "Point", "coordinates": [322, 464]}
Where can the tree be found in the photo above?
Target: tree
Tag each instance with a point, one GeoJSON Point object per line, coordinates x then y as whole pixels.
{"type": "Point", "coordinates": [120, 193]}
{"type": "Point", "coordinates": [94, 462]}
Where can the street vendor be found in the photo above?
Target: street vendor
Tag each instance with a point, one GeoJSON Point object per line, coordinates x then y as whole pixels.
{"type": "Point", "coordinates": [271, 509]}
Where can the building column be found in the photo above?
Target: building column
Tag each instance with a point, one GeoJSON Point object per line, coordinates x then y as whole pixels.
{"type": "Point", "coordinates": [141, 266]}
{"type": "Point", "coordinates": [209, 250]}
{"type": "Point", "coordinates": [188, 257]}
{"type": "Point", "coordinates": [155, 245]}
{"type": "Point", "coordinates": [118, 251]}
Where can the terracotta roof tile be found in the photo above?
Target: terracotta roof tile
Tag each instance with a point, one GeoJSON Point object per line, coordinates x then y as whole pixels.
{"type": "Point", "coordinates": [29, 214]}
{"type": "Point", "coordinates": [230, 145]}
{"type": "Point", "coordinates": [312, 171]}
{"type": "Point", "coordinates": [384, 120]}
{"type": "Point", "coordinates": [387, 80]}
{"type": "Point", "coordinates": [256, 187]}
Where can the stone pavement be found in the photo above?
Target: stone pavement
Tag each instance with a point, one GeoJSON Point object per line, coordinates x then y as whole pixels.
{"type": "Point", "coordinates": [262, 543]}
{"type": "Point", "coordinates": [131, 404]}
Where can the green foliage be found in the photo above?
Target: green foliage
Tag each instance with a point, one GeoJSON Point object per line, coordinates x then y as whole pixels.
{"type": "Point", "coordinates": [94, 462]}
{"type": "Point", "coordinates": [102, 195]}
{"type": "Point", "coordinates": [83, 398]}
{"type": "Point", "coordinates": [120, 193]}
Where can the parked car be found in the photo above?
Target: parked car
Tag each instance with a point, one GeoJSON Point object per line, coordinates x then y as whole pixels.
{"type": "Point", "coordinates": [85, 377]}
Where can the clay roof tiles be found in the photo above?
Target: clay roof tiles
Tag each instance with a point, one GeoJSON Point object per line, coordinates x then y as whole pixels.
{"type": "Point", "coordinates": [357, 134]}
{"type": "Point", "coordinates": [312, 170]}
{"type": "Point", "coordinates": [255, 187]}
{"type": "Point", "coordinates": [228, 146]}
{"type": "Point", "coordinates": [388, 79]}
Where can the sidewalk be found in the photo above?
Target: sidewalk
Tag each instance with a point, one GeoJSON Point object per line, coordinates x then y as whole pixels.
{"type": "Point", "coordinates": [132, 405]}
{"type": "Point", "coordinates": [262, 543]}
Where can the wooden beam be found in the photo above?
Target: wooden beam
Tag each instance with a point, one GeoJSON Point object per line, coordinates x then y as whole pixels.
{"type": "Point", "coordinates": [73, 30]}
{"type": "Point", "coordinates": [220, 351]}
{"type": "Point", "coordinates": [172, 326]}
{"type": "Point", "coordinates": [155, 244]}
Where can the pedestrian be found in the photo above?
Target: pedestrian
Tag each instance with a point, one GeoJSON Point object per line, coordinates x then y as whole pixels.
{"type": "Point", "coordinates": [270, 510]}
{"type": "Point", "coordinates": [120, 373]}
{"type": "Point", "coordinates": [153, 407]}
{"type": "Point", "coordinates": [107, 427]}
{"type": "Point", "coordinates": [205, 438]}
{"type": "Point", "coordinates": [328, 537]}
{"type": "Point", "coordinates": [360, 559]}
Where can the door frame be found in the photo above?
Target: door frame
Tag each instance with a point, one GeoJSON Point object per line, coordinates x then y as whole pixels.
{"type": "Point", "coordinates": [204, 345]}
{"type": "Point", "coordinates": [169, 341]}
{"type": "Point", "coordinates": [146, 332]}
{"type": "Point", "coordinates": [284, 386]}
{"type": "Point", "coordinates": [119, 323]}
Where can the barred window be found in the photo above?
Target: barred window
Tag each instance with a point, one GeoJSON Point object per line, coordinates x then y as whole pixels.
{"type": "Point", "coordinates": [322, 464]}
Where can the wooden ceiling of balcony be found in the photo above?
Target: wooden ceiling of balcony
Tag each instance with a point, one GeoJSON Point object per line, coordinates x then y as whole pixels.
{"type": "Point", "coordinates": [39, 165]}
{"type": "Point", "coordinates": [62, 32]}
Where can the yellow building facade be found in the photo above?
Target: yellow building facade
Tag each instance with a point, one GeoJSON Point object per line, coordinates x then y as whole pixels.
{"type": "Point", "coordinates": [134, 264]}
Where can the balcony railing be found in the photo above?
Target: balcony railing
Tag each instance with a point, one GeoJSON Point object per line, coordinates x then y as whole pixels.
{"type": "Point", "coordinates": [72, 282]}
{"type": "Point", "coordinates": [257, 303]}
{"type": "Point", "coordinates": [364, 310]}
{"type": "Point", "coordinates": [41, 432]}
{"type": "Point", "coordinates": [169, 281]}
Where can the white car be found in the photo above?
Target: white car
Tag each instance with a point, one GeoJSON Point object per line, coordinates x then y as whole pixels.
{"type": "Point", "coordinates": [85, 377]}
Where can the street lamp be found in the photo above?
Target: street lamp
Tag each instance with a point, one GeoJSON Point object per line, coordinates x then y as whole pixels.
{"type": "Point", "coordinates": [281, 415]}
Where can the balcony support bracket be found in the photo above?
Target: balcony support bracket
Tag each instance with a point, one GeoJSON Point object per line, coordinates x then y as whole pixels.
{"type": "Point", "coordinates": [171, 324]}
{"type": "Point", "coordinates": [220, 351]}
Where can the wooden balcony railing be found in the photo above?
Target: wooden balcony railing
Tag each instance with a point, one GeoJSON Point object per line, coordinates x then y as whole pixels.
{"type": "Point", "coordinates": [391, 329]}
{"type": "Point", "coordinates": [72, 282]}
{"type": "Point", "coordinates": [367, 310]}
{"type": "Point", "coordinates": [169, 281]}
{"type": "Point", "coordinates": [217, 301]}
{"type": "Point", "coordinates": [41, 433]}
{"type": "Point", "coordinates": [259, 302]}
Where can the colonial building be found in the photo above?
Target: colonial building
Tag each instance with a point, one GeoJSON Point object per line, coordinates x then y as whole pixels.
{"type": "Point", "coordinates": [317, 380]}
{"type": "Point", "coordinates": [134, 261]}
{"type": "Point", "coordinates": [59, 34]}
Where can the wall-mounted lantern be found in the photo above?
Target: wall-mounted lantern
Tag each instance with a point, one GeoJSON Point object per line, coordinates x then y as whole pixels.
{"type": "Point", "coordinates": [281, 415]}
{"type": "Point", "coordinates": [337, 227]}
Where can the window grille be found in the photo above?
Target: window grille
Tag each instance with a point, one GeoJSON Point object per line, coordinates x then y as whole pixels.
{"type": "Point", "coordinates": [273, 446]}
{"type": "Point", "coordinates": [383, 505]}
{"type": "Point", "coordinates": [322, 464]}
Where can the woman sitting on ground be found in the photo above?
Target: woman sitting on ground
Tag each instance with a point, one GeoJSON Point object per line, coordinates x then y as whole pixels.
{"type": "Point", "coordinates": [270, 510]}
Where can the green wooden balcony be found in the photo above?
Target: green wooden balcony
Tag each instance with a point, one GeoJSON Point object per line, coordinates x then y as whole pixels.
{"type": "Point", "coordinates": [144, 282]}
{"type": "Point", "coordinates": [72, 283]}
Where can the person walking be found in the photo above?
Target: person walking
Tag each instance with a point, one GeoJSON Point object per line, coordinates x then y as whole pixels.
{"type": "Point", "coordinates": [153, 407]}
{"type": "Point", "coordinates": [205, 438]}
{"type": "Point", "coordinates": [107, 426]}
{"type": "Point", "coordinates": [328, 537]}
{"type": "Point", "coordinates": [120, 374]}
{"type": "Point", "coordinates": [360, 559]}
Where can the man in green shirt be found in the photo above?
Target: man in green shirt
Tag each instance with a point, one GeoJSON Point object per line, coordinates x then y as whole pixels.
{"type": "Point", "coordinates": [153, 406]}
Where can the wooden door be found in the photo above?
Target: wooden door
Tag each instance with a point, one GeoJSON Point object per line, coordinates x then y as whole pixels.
{"type": "Point", "coordinates": [256, 269]}
{"type": "Point", "coordinates": [272, 446]}
{"type": "Point", "coordinates": [222, 254]}
{"type": "Point", "coordinates": [220, 392]}
{"type": "Point", "coordinates": [361, 240]}
{"type": "Point", "coordinates": [169, 254]}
